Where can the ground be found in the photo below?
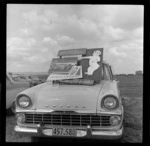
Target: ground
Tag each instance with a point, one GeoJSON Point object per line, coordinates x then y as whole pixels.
{"type": "Point", "coordinates": [132, 97]}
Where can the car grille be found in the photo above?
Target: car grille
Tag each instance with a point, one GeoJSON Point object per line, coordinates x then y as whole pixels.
{"type": "Point", "coordinates": [68, 119]}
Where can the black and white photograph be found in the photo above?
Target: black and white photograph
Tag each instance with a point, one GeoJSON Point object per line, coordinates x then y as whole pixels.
{"type": "Point", "coordinates": [74, 72]}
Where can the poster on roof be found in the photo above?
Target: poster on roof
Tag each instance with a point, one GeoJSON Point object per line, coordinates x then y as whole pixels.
{"type": "Point", "coordinates": [74, 73]}
{"type": "Point", "coordinates": [89, 66]}
{"type": "Point", "coordinates": [62, 65]}
{"type": "Point", "coordinates": [92, 64]}
{"type": "Point", "coordinates": [64, 68]}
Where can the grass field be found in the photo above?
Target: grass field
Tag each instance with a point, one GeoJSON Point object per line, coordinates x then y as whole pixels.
{"type": "Point", "coordinates": [131, 86]}
{"type": "Point", "coordinates": [131, 90]}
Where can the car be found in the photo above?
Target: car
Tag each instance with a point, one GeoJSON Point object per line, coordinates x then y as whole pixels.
{"type": "Point", "coordinates": [20, 78]}
{"type": "Point", "coordinates": [13, 87]}
{"type": "Point", "coordinates": [34, 80]}
{"type": "Point", "coordinates": [80, 99]}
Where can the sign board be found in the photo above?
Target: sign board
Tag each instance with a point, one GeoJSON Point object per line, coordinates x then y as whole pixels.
{"type": "Point", "coordinates": [62, 65]}
{"type": "Point", "coordinates": [74, 73]}
{"type": "Point", "coordinates": [72, 52]}
{"type": "Point", "coordinates": [89, 67]}
{"type": "Point", "coordinates": [92, 64]}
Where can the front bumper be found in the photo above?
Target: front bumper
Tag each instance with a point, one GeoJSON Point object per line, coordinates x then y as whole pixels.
{"type": "Point", "coordinates": [81, 133]}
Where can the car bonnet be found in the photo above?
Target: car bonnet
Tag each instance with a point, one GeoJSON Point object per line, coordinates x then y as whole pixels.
{"type": "Point", "coordinates": [66, 97]}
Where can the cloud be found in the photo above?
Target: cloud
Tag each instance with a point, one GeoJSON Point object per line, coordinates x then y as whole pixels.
{"type": "Point", "coordinates": [52, 16]}
{"type": "Point", "coordinates": [43, 50]}
{"type": "Point", "coordinates": [112, 34]}
{"type": "Point", "coordinates": [14, 41]}
{"type": "Point", "coordinates": [127, 17]}
{"type": "Point", "coordinates": [34, 18]}
{"type": "Point", "coordinates": [138, 33]}
{"type": "Point", "coordinates": [129, 21]}
{"type": "Point", "coordinates": [52, 46]}
{"type": "Point", "coordinates": [119, 61]}
{"type": "Point", "coordinates": [50, 41]}
{"type": "Point", "coordinates": [69, 25]}
{"type": "Point", "coordinates": [42, 20]}
{"type": "Point", "coordinates": [115, 52]}
{"type": "Point", "coordinates": [16, 46]}
{"type": "Point", "coordinates": [116, 28]}
{"type": "Point", "coordinates": [20, 42]}
{"type": "Point", "coordinates": [83, 21]}
{"type": "Point", "coordinates": [134, 46]}
{"type": "Point", "coordinates": [19, 48]}
{"type": "Point", "coordinates": [64, 40]}
{"type": "Point", "coordinates": [31, 41]}
{"type": "Point", "coordinates": [47, 39]}
{"type": "Point", "coordinates": [25, 31]}
{"type": "Point", "coordinates": [36, 59]}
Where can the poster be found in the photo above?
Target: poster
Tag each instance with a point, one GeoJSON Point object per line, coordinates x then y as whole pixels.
{"type": "Point", "coordinates": [88, 67]}
{"type": "Point", "coordinates": [62, 65]}
{"type": "Point", "coordinates": [92, 64]}
{"type": "Point", "coordinates": [74, 73]}
{"type": "Point", "coordinates": [64, 68]}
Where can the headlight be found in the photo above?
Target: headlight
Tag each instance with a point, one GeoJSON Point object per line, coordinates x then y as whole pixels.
{"type": "Point", "coordinates": [115, 120]}
{"type": "Point", "coordinates": [110, 102]}
{"type": "Point", "coordinates": [24, 101]}
{"type": "Point", "coordinates": [20, 117]}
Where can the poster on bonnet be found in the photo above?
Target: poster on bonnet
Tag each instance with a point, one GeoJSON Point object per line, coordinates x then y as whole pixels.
{"type": "Point", "coordinates": [92, 64]}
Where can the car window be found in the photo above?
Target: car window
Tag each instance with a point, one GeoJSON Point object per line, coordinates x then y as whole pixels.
{"type": "Point", "coordinates": [106, 73]}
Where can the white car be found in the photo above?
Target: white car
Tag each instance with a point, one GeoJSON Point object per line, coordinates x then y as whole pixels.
{"type": "Point", "coordinates": [78, 107]}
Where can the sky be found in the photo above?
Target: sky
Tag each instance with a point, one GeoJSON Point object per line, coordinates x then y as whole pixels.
{"type": "Point", "coordinates": [36, 32]}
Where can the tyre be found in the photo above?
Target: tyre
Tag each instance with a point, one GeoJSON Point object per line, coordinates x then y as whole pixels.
{"type": "Point", "coordinates": [11, 110]}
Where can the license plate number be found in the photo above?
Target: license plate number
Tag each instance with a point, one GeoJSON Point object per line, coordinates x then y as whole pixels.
{"type": "Point", "coordinates": [64, 132]}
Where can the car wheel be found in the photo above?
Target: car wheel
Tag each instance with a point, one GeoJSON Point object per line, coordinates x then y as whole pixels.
{"type": "Point", "coordinates": [11, 109]}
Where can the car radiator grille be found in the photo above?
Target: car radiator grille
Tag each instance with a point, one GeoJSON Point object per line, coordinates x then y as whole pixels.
{"type": "Point", "coordinates": [68, 119]}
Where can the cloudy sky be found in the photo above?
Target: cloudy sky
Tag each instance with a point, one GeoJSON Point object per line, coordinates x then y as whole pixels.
{"type": "Point", "coordinates": [35, 33]}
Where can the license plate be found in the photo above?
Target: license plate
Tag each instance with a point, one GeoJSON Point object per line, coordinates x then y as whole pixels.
{"type": "Point", "coordinates": [64, 131]}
